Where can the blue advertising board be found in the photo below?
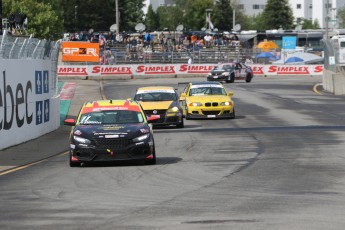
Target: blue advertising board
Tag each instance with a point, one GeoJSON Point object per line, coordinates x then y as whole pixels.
{"type": "Point", "coordinates": [289, 42]}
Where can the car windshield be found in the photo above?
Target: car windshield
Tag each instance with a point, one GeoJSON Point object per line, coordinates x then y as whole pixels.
{"type": "Point", "coordinates": [207, 91]}
{"type": "Point", "coordinates": [155, 96]}
{"type": "Point", "coordinates": [224, 67]}
{"type": "Point", "coordinates": [111, 117]}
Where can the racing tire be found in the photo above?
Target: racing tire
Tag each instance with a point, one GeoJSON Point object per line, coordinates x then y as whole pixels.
{"type": "Point", "coordinates": [248, 78]}
{"type": "Point", "coordinates": [180, 125]}
{"type": "Point", "coordinates": [153, 160]}
{"type": "Point", "coordinates": [230, 79]}
{"type": "Point", "coordinates": [233, 115]}
{"type": "Point", "coordinates": [73, 164]}
{"type": "Point", "coordinates": [187, 116]}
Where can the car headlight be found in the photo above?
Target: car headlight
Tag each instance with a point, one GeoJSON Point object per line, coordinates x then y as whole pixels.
{"type": "Point", "coordinates": [225, 74]}
{"type": "Point", "coordinates": [141, 138]}
{"type": "Point", "coordinates": [81, 140]}
{"type": "Point", "coordinates": [195, 104]}
{"type": "Point", "coordinates": [227, 103]}
{"type": "Point", "coordinates": [209, 74]}
{"type": "Point", "coordinates": [173, 109]}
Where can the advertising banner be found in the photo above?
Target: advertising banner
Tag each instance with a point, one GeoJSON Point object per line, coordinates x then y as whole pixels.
{"type": "Point", "coordinates": [29, 107]}
{"type": "Point", "coordinates": [180, 69]}
{"type": "Point", "coordinates": [80, 52]}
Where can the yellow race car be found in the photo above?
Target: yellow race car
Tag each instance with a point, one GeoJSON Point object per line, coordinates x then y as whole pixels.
{"type": "Point", "coordinates": [161, 102]}
{"type": "Point", "coordinates": [207, 100]}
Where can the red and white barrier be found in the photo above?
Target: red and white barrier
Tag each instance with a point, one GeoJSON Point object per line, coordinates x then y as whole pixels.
{"type": "Point", "coordinates": [180, 69]}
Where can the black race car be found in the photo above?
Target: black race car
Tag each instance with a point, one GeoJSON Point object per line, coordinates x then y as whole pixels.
{"type": "Point", "coordinates": [231, 72]}
{"type": "Point", "coordinates": [111, 130]}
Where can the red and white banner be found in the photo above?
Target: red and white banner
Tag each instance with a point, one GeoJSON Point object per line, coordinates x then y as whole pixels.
{"type": "Point", "coordinates": [180, 69]}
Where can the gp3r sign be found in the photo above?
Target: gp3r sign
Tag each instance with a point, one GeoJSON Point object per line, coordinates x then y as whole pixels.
{"type": "Point", "coordinates": [80, 52]}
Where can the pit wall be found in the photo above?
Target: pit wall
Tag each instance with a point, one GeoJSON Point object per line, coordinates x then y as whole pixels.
{"type": "Point", "coordinates": [29, 105]}
{"type": "Point", "coordinates": [333, 82]}
{"type": "Point", "coordinates": [177, 70]}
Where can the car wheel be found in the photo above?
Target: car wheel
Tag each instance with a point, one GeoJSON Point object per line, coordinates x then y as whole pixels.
{"type": "Point", "coordinates": [153, 160]}
{"type": "Point", "coordinates": [233, 114]}
{"type": "Point", "coordinates": [248, 78]}
{"type": "Point", "coordinates": [230, 79]}
{"type": "Point", "coordinates": [180, 125]}
{"type": "Point", "coordinates": [187, 116]}
{"type": "Point", "coordinates": [72, 163]}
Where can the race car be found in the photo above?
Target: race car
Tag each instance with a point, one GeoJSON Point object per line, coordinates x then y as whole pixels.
{"type": "Point", "coordinates": [231, 72]}
{"type": "Point", "coordinates": [161, 102]}
{"type": "Point", "coordinates": [111, 130]}
{"type": "Point", "coordinates": [207, 100]}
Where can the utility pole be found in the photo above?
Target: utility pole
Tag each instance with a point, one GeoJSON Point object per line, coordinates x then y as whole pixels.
{"type": "Point", "coordinates": [117, 20]}
{"type": "Point", "coordinates": [1, 17]}
{"type": "Point", "coordinates": [327, 18]}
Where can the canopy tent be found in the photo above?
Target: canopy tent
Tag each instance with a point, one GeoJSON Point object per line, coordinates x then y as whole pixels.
{"type": "Point", "coordinates": [268, 55]}
{"type": "Point", "coordinates": [307, 58]}
{"type": "Point", "coordinates": [267, 45]}
{"type": "Point", "coordinates": [293, 59]}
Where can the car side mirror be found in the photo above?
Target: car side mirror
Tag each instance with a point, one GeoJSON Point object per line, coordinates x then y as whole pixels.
{"type": "Point", "coordinates": [70, 122]}
{"type": "Point", "coordinates": [230, 94]}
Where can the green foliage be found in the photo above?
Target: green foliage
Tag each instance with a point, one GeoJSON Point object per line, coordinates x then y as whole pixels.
{"type": "Point", "coordinates": [169, 17]}
{"type": "Point", "coordinates": [43, 20]}
{"type": "Point", "coordinates": [341, 16]}
{"type": "Point", "coordinates": [194, 13]}
{"type": "Point", "coordinates": [151, 19]}
{"type": "Point", "coordinates": [277, 13]}
{"type": "Point", "coordinates": [309, 24]}
{"type": "Point", "coordinates": [131, 13]}
{"type": "Point", "coordinates": [222, 15]}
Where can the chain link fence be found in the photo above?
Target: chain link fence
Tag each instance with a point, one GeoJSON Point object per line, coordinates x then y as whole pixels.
{"type": "Point", "coordinates": [23, 47]}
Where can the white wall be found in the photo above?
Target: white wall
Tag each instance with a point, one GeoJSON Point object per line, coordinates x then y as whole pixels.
{"type": "Point", "coordinates": [29, 107]}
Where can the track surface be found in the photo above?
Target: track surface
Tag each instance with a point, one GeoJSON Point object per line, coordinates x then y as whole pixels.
{"type": "Point", "coordinates": [279, 165]}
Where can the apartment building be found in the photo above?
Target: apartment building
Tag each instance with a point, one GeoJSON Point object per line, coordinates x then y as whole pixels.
{"type": "Point", "coordinates": [308, 9]}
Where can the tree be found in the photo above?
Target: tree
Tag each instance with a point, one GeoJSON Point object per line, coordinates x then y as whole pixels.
{"type": "Point", "coordinates": [131, 13]}
{"type": "Point", "coordinates": [151, 19]}
{"type": "Point", "coordinates": [341, 16]}
{"type": "Point", "coordinates": [194, 12]}
{"type": "Point", "coordinates": [277, 13]}
{"type": "Point", "coordinates": [309, 24]}
{"type": "Point", "coordinates": [169, 17]}
{"type": "Point", "coordinates": [223, 15]}
{"type": "Point", "coordinates": [43, 20]}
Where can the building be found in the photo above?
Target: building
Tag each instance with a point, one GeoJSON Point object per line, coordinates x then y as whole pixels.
{"type": "Point", "coordinates": [302, 9]}
{"type": "Point", "coordinates": [157, 3]}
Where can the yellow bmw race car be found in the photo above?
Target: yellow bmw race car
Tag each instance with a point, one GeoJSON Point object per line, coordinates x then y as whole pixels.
{"type": "Point", "coordinates": [161, 102]}
{"type": "Point", "coordinates": [207, 100]}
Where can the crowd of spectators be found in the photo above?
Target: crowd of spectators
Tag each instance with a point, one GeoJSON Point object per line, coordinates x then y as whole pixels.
{"type": "Point", "coordinates": [141, 45]}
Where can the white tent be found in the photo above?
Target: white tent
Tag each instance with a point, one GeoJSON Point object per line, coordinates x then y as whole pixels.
{"type": "Point", "coordinates": [308, 58]}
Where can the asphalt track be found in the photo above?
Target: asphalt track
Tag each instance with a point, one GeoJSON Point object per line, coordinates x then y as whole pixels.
{"type": "Point", "coordinates": [278, 165]}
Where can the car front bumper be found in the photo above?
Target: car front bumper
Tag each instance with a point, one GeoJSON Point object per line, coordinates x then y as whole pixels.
{"type": "Point", "coordinates": [135, 151]}
{"type": "Point", "coordinates": [202, 112]}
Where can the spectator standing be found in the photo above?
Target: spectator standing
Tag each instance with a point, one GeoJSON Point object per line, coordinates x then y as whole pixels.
{"type": "Point", "coordinates": [148, 39]}
{"type": "Point", "coordinates": [193, 38]}
{"type": "Point", "coordinates": [102, 41]}
{"type": "Point", "coordinates": [208, 40]}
